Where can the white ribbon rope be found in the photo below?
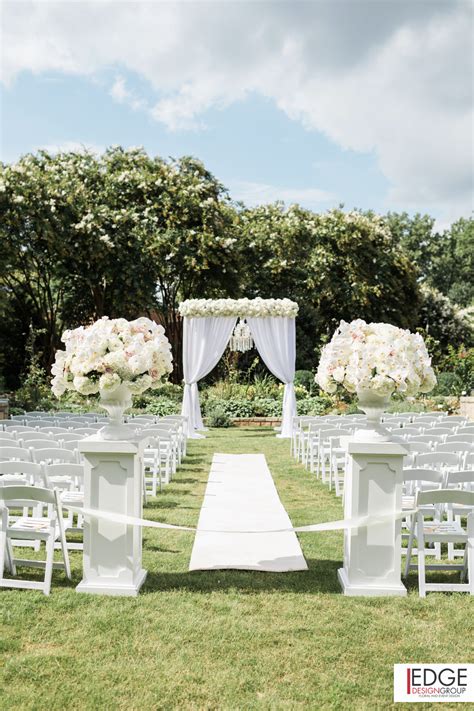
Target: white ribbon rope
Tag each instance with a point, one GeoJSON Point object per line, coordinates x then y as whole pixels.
{"type": "Point", "coordinates": [344, 524]}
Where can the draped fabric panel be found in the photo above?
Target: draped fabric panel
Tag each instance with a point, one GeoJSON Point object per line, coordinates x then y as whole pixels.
{"type": "Point", "coordinates": [204, 342]}
{"type": "Point", "coordinates": [275, 340]}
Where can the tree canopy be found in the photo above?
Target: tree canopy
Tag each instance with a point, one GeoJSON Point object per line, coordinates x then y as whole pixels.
{"type": "Point", "coordinates": [124, 234]}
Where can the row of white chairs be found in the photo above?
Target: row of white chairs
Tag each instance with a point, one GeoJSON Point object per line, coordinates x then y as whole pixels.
{"type": "Point", "coordinates": [443, 460]}
{"type": "Point", "coordinates": [40, 468]}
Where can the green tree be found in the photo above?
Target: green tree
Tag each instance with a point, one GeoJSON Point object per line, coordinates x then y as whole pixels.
{"type": "Point", "coordinates": [119, 234]}
{"type": "Point", "coordinates": [337, 266]}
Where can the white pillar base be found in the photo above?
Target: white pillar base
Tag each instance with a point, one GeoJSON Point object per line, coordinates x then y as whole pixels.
{"type": "Point", "coordinates": [112, 587]}
{"type": "Point", "coordinates": [373, 487]}
{"type": "Point", "coordinates": [374, 590]}
{"type": "Point", "coordinates": [112, 559]}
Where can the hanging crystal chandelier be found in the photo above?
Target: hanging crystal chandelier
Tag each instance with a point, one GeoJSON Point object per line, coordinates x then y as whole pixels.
{"type": "Point", "coordinates": [241, 340]}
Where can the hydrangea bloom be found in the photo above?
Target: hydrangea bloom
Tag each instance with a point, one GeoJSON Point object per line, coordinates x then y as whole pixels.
{"type": "Point", "coordinates": [375, 356]}
{"type": "Point", "coordinates": [112, 352]}
{"type": "Point", "coordinates": [258, 307]}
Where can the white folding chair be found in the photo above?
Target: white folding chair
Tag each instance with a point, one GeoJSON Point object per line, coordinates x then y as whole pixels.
{"type": "Point", "coordinates": [69, 480]}
{"type": "Point", "coordinates": [463, 479]}
{"type": "Point", "coordinates": [43, 528]}
{"type": "Point", "coordinates": [443, 532]}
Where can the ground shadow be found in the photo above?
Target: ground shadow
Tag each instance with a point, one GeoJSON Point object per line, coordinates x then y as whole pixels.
{"type": "Point", "coordinates": [320, 578]}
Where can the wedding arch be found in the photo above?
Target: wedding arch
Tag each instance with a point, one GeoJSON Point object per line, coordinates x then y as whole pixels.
{"type": "Point", "coordinates": [208, 325]}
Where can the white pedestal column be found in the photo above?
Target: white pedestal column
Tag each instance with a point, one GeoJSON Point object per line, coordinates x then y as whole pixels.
{"type": "Point", "coordinates": [113, 483]}
{"type": "Point", "coordinates": [373, 486]}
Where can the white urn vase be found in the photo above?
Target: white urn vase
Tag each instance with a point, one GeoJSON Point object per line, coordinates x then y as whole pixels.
{"type": "Point", "coordinates": [115, 403]}
{"type": "Point", "coordinates": [374, 406]}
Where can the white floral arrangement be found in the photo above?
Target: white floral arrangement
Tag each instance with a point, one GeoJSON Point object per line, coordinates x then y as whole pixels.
{"type": "Point", "coordinates": [377, 357]}
{"type": "Point", "coordinates": [259, 308]}
{"type": "Point", "coordinates": [110, 353]}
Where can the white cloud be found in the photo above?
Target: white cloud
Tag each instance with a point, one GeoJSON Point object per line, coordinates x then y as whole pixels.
{"type": "Point", "coordinates": [393, 77]}
{"type": "Point", "coordinates": [259, 193]}
{"type": "Point", "coordinates": [122, 95]}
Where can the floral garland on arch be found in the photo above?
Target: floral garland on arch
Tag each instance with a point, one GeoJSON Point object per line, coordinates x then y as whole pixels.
{"type": "Point", "coordinates": [378, 357]}
{"type": "Point", "coordinates": [110, 353]}
{"type": "Point", "coordinates": [257, 308]}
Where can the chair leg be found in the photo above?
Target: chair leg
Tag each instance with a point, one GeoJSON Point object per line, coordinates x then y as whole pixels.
{"type": "Point", "coordinates": [470, 552]}
{"type": "Point", "coordinates": [48, 570]}
{"type": "Point", "coordinates": [410, 547]}
{"type": "Point", "coordinates": [63, 542]}
{"type": "Point", "coordinates": [421, 558]}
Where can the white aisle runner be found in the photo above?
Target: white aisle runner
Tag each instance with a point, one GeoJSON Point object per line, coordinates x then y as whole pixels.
{"type": "Point", "coordinates": [241, 496]}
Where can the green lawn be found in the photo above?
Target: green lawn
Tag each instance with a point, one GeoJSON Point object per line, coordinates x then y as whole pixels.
{"type": "Point", "coordinates": [224, 640]}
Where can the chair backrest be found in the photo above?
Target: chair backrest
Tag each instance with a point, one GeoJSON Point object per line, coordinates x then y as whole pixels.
{"type": "Point", "coordinates": [75, 471]}
{"type": "Point", "coordinates": [445, 496]}
{"type": "Point", "coordinates": [7, 453]}
{"type": "Point", "coordinates": [28, 494]}
{"type": "Point", "coordinates": [412, 431]}
{"type": "Point", "coordinates": [455, 418]}
{"type": "Point", "coordinates": [461, 436]}
{"type": "Point", "coordinates": [71, 436]}
{"type": "Point", "coordinates": [70, 424]}
{"type": "Point", "coordinates": [439, 431]}
{"type": "Point", "coordinates": [27, 436]}
{"type": "Point", "coordinates": [53, 431]}
{"type": "Point", "coordinates": [433, 476]}
{"type": "Point", "coordinates": [53, 454]}
{"type": "Point", "coordinates": [71, 446]}
{"type": "Point", "coordinates": [84, 431]}
{"type": "Point", "coordinates": [46, 422]}
{"type": "Point", "coordinates": [315, 427]}
{"type": "Point", "coordinates": [419, 447]}
{"type": "Point", "coordinates": [40, 443]}
{"type": "Point", "coordinates": [465, 429]}
{"type": "Point", "coordinates": [9, 425]}
{"type": "Point", "coordinates": [334, 432]}
{"type": "Point", "coordinates": [420, 438]}
{"type": "Point", "coordinates": [465, 476]}
{"type": "Point", "coordinates": [162, 432]}
{"type": "Point", "coordinates": [438, 459]}
{"type": "Point", "coordinates": [454, 447]}
{"type": "Point", "coordinates": [21, 467]}
{"type": "Point", "coordinates": [8, 441]}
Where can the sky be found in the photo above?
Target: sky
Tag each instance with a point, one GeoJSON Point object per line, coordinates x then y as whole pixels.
{"type": "Point", "coordinates": [366, 103]}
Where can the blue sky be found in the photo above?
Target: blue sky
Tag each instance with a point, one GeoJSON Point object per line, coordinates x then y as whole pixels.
{"type": "Point", "coordinates": [279, 100]}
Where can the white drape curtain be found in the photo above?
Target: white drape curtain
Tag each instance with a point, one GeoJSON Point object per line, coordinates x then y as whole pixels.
{"type": "Point", "coordinates": [275, 340]}
{"type": "Point", "coordinates": [204, 341]}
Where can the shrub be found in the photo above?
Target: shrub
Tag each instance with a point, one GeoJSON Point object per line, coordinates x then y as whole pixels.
{"type": "Point", "coordinates": [161, 407]}
{"type": "Point", "coordinates": [314, 406]}
{"type": "Point", "coordinates": [231, 407]}
{"type": "Point", "coordinates": [304, 379]}
{"type": "Point", "coordinates": [217, 417]}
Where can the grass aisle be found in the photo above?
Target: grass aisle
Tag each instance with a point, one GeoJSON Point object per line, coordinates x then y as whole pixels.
{"type": "Point", "coordinates": [224, 640]}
